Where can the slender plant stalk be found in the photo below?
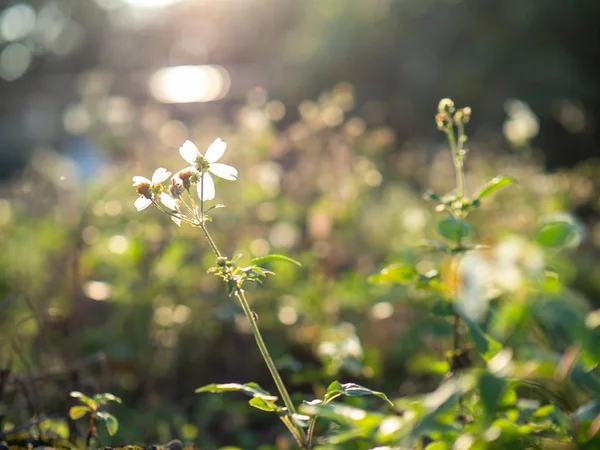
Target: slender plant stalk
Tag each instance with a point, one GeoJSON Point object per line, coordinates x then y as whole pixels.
{"type": "Point", "coordinates": [296, 431]}
{"type": "Point", "coordinates": [457, 149]}
{"type": "Point", "coordinates": [311, 430]}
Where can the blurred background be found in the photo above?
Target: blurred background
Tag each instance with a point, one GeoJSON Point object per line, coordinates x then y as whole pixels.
{"type": "Point", "coordinates": [327, 107]}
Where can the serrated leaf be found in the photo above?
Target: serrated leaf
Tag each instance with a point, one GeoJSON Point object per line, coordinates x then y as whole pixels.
{"type": "Point", "coordinates": [487, 346]}
{"type": "Point", "coordinates": [112, 424]}
{"type": "Point", "coordinates": [336, 389]}
{"type": "Point", "coordinates": [454, 229]}
{"type": "Point", "coordinates": [83, 399]}
{"type": "Point", "coordinates": [250, 389]}
{"type": "Point", "coordinates": [494, 185]}
{"type": "Point", "coordinates": [102, 399]}
{"type": "Point", "coordinates": [77, 412]}
{"type": "Point", "coordinates": [395, 274]}
{"type": "Point", "coordinates": [269, 258]}
{"type": "Point", "coordinates": [555, 234]}
{"type": "Point", "coordinates": [264, 405]}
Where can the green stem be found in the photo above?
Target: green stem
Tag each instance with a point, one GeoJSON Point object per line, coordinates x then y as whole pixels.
{"type": "Point", "coordinates": [285, 396]}
{"type": "Point", "coordinates": [311, 430]}
{"type": "Point", "coordinates": [296, 431]}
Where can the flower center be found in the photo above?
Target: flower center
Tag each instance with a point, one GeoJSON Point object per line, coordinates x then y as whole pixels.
{"type": "Point", "coordinates": [202, 164]}
{"type": "Point", "coordinates": [144, 189]}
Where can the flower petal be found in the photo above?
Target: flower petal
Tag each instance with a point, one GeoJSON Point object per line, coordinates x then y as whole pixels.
{"type": "Point", "coordinates": [137, 180]}
{"type": "Point", "coordinates": [189, 152]}
{"type": "Point", "coordinates": [215, 151]}
{"type": "Point", "coordinates": [142, 203]}
{"type": "Point", "coordinates": [168, 201]}
{"type": "Point", "coordinates": [176, 220]}
{"type": "Point", "coordinates": [160, 175]}
{"type": "Point", "coordinates": [224, 171]}
{"type": "Point", "coordinates": [208, 193]}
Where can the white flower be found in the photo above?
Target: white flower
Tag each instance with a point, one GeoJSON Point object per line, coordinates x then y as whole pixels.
{"type": "Point", "coordinates": [206, 189]}
{"type": "Point", "coordinates": [149, 189]}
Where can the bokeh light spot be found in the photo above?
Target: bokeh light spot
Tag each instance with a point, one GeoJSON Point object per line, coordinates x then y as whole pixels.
{"type": "Point", "coordinates": [97, 290]}
{"type": "Point", "coordinates": [189, 84]}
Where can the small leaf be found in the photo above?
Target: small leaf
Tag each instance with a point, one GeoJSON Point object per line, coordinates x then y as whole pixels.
{"type": "Point", "coordinates": [336, 389]}
{"type": "Point", "coordinates": [84, 399]}
{"type": "Point", "coordinates": [112, 424]}
{"type": "Point", "coordinates": [491, 389]}
{"type": "Point", "coordinates": [485, 344]}
{"type": "Point", "coordinates": [77, 412]}
{"type": "Point", "coordinates": [250, 389]}
{"type": "Point", "coordinates": [556, 234]}
{"type": "Point", "coordinates": [264, 405]}
{"type": "Point", "coordinates": [102, 399]}
{"type": "Point", "coordinates": [395, 274]}
{"type": "Point", "coordinates": [454, 229]}
{"type": "Point", "coordinates": [494, 185]}
{"type": "Point", "coordinates": [589, 411]}
{"type": "Point", "coordinates": [268, 258]}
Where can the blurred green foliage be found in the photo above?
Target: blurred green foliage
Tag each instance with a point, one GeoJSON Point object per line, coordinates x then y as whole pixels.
{"type": "Point", "coordinates": [98, 297]}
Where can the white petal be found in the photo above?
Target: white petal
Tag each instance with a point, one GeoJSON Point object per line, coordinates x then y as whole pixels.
{"type": "Point", "coordinates": [208, 193]}
{"type": "Point", "coordinates": [176, 220]}
{"type": "Point", "coordinates": [160, 175]}
{"type": "Point", "coordinates": [137, 180]}
{"type": "Point", "coordinates": [168, 201]}
{"type": "Point", "coordinates": [224, 171]}
{"type": "Point", "coordinates": [189, 152]}
{"type": "Point", "coordinates": [142, 203]}
{"type": "Point", "coordinates": [216, 150]}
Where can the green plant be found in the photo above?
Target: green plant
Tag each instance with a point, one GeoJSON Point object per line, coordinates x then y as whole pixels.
{"type": "Point", "coordinates": [90, 406]}
{"type": "Point", "coordinates": [179, 203]}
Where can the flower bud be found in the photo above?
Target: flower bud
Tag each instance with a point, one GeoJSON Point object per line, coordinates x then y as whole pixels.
{"type": "Point", "coordinates": [446, 106]}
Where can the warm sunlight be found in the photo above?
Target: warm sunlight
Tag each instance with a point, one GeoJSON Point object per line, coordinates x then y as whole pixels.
{"type": "Point", "coordinates": [188, 84]}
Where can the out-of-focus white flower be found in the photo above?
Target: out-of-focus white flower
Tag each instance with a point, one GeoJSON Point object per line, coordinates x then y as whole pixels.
{"type": "Point", "coordinates": [148, 190]}
{"type": "Point", "coordinates": [208, 163]}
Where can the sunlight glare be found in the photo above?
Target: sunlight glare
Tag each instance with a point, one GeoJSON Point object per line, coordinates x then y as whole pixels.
{"type": "Point", "coordinates": [189, 84]}
{"type": "Point", "coordinates": [151, 3]}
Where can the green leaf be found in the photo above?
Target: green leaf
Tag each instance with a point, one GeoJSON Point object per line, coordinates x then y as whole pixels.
{"type": "Point", "coordinates": [494, 185]}
{"type": "Point", "coordinates": [487, 346]}
{"type": "Point", "coordinates": [438, 446]}
{"type": "Point", "coordinates": [454, 229]}
{"type": "Point", "coordinates": [491, 389]}
{"type": "Point", "coordinates": [251, 389]}
{"type": "Point", "coordinates": [268, 258]}
{"type": "Point", "coordinates": [77, 412]}
{"type": "Point", "coordinates": [556, 234]}
{"type": "Point", "coordinates": [589, 411]}
{"type": "Point", "coordinates": [112, 424]}
{"type": "Point", "coordinates": [395, 274]}
{"type": "Point", "coordinates": [264, 405]}
{"type": "Point", "coordinates": [102, 399]}
{"type": "Point", "coordinates": [336, 389]}
{"type": "Point", "coordinates": [84, 399]}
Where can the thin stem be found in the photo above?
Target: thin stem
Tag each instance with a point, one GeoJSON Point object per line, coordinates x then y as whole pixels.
{"type": "Point", "coordinates": [209, 238]}
{"type": "Point", "coordinates": [311, 430]}
{"type": "Point", "coordinates": [298, 432]}
{"type": "Point", "coordinates": [202, 197]}
{"type": "Point", "coordinates": [294, 431]}
{"type": "Point", "coordinates": [285, 396]}
{"type": "Point", "coordinates": [457, 159]}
